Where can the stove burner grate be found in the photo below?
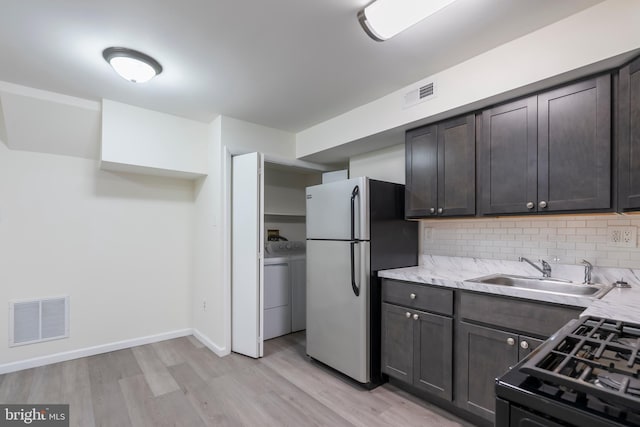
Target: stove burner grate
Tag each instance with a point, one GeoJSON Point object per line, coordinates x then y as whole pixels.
{"type": "Point", "coordinates": [598, 357]}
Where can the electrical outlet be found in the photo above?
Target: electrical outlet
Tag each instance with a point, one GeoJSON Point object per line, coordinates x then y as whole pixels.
{"type": "Point", "coordinates": [428, 233]}
{"type": "Point", "coordinates": [623, 237]}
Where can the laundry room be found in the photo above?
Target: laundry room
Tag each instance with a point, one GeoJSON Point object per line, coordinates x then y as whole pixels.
{"type": "Point", "coordinates": [285, 249]}
{"type": "Point", "coordinates": [284, 201]}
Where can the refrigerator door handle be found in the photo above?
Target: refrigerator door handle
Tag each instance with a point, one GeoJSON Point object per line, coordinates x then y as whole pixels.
{"type": "Point", "coordinates": [354, 194]}
{"type": "Point", "coordinates": [354, 286]}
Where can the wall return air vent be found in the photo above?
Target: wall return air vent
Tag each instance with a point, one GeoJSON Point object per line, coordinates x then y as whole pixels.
{"type": "Point", "coordinates": [421, 94]}
{"type": "Point", "coordinates": [38, 320]}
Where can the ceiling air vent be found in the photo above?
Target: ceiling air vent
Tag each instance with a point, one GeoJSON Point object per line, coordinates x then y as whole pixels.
{"type": "Point", "coordinates": [421, 94]}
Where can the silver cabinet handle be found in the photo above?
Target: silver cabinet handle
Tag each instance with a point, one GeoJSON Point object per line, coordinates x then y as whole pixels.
{"type": "Point", "coordinates": [524, 344]}
{"type": "Point", "coordinates": [439, 210]}
{"type": "Point", "coordinates": [511, 341]}
{"type": "Point", "coordinates": [416, 317]}
{"type": "Point", "coordinates": [412, 296]}
{"type": "Point", "coordinates": [432, 210]}
{"type": "Point", "coordinates": [530, 205]}
{"type": "Point", "coordinates": [408, 314]}
{"type": "Point", "coordinates": [542, 204]}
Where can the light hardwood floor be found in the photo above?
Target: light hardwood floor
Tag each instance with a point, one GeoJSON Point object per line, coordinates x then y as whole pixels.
{"type": "Point", "coordinates": [180, 383]}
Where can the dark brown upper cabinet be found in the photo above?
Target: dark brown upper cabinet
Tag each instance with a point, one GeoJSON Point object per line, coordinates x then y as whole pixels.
{"type": "Point", "coordinates": [629, 134]}
{"type": "Point", "coordinates": [440, 169]}
{"type": "Point", "coordinates": [508, 151]}
{"type": "Point", "coordinates": [574, 147]}
{"type": "Point", "coordinates": [548, 153]}
{"type": "Point", "coordinates": [421, 184]}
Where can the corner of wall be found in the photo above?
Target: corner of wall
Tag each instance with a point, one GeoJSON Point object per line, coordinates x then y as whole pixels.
{"type": "Point", "coordinates": [387, 164]}
{"type": "Point", "coordinates": [209, 311]}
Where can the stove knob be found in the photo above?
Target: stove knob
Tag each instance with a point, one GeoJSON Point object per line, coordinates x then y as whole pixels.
{"type": "Point", "coordinates": [511, 341]}
{"type": "Point", "coordinates": [524, 344]}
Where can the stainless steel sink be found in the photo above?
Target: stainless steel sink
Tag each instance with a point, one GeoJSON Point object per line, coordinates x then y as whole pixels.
{"type": "Point", "coordinates": [545, 284]}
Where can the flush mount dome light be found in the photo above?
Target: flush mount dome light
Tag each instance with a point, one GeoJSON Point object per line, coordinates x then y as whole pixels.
{"type": "Point", "coordinates": [132, 65]}
{"type": "Point", "coordinates": [383, 19]}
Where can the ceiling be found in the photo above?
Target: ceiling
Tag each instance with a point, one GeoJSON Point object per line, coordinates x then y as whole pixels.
{"type": "Point", "coordinates": [287, 64]}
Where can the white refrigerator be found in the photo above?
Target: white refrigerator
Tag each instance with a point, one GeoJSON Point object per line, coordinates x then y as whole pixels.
{"type": "Point", "coordinates": [355, 227]}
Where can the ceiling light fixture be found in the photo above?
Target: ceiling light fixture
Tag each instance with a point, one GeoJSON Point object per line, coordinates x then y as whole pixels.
{"type": "Point", "coordinates": [132, 65]}
{"type": "Point", "coordinates": [383, 19]}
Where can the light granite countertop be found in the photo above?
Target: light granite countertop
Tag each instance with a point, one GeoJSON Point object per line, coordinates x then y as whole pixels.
{"type": "Point", "coordinates": [456, 272]}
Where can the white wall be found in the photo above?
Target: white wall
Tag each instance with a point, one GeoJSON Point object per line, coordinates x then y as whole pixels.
{"type": "Point", "coordinates": [601, 32]}
{"type": "Point", "coordinates": [119, 245]}
{"type": "Point", "coordinates": [284, 190]}
{"type": "Point", "coordinates": [387, 164]}
{"type": "Point", "coordinates": [210, 297]}
{"type": "Point", "coordinates": [244, 137]}
{"type": "Point", "coordinates": [136, 137]}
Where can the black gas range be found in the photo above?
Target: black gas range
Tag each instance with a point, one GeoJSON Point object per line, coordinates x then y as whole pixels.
{"type": "Point", "coordinates": [587, 374]}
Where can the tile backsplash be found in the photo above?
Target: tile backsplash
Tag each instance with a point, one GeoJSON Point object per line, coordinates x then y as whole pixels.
{"type": "Point", "coordinates": [604, 240]}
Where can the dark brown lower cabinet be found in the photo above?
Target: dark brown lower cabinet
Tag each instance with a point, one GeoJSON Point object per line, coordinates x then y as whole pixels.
{"type": "Point", "coordinates": [492, 333]}
{"type": "Point", "coordinates": [417, 348]}
{"type": "Point", "coordinates": [397, 342]}
{"type": "Point", "coordinates": [485, 354]}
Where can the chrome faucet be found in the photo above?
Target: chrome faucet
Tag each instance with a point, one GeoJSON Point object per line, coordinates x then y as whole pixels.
{"type": "Point", "coordinates": [587, 271]}
{"type": "Point", "coordinates": [545, 270]}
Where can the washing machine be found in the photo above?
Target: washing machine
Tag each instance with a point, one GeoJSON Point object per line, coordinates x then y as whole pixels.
{"type": "Point", "coordinates": [284, 288]}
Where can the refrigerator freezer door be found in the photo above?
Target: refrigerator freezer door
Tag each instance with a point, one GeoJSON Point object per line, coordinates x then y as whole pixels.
{"type": "Point", "coordinates": [329, 210]}
{"type": "Point", "coordinates": [337, 319]}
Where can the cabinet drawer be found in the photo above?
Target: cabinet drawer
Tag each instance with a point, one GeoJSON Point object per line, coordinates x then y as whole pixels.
{"type": "Point", "coordinates": [425, 298]}
{"type": "Point", "coordinates": [526, 316]}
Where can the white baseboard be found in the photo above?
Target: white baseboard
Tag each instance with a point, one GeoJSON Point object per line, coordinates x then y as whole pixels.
{"type": "Point", "coordinates": [99, 349]}
{"type": "Point", "coordinates": [220, 351]}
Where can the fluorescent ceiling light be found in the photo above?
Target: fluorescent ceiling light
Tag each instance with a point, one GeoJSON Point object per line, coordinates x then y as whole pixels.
{"type": "Point", "coordinates": [383, 19]}
{"type": "Point", "coordinates": [132, 65]}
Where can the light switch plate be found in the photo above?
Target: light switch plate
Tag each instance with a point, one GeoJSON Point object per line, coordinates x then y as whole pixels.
{"type": "Point", "coordinates": [622, 237]}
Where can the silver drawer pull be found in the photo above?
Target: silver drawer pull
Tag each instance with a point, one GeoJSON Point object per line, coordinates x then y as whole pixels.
{"type": "Point", "coordinates": [511, 341]}
{"type": "Point", "coordinates": [524, 344]}
{"type": "Point", "coordinates": [412, 296]}
{"type": "Point", "coordinates": [416, 317]}
{"type": "Point", "coordinates": [408, 314]}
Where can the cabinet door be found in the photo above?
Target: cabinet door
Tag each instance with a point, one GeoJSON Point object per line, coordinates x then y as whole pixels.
{"type": "Point", "coordinates": [421, 187]}
{"type": "Point", "coordinates": [457, 167]}
{"type": "Point", "coordinates": [509, 158]}
{"type": "Point", "coordinates": [574, 146]}
{"type": "Point", "coordinates": [526, 345]}
{"type": "Point", "coordinates": [629, 150]}
{"type": "Point", "coordinates": [433, 343]}
{"type": "Point", "coordinates": [397, 342]}
{"type": "Point", "coordinates": [483, 355]}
